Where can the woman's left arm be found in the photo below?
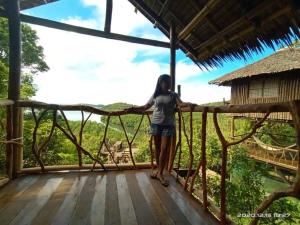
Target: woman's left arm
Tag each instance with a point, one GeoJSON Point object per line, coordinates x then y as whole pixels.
{"type": "Point", "coordinates": [180, 103]}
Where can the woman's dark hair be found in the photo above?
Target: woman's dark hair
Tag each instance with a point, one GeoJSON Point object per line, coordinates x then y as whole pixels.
{"type": "Point", "coordinates": [161, 78]}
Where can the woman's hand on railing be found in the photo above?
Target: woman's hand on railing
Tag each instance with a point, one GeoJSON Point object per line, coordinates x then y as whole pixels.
{"type": "Point", "coordinates": [135, 109]}
{"type": "Point", "coordinates": [129, 110]}
{"type": "Point", "coordinates": [187, 104]}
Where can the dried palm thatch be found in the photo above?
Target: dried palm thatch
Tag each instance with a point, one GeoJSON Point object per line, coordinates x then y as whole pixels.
{"type": "Point", "coordinates": [214, 31]}
{"type": "Point", "coordinates": [284, 60]}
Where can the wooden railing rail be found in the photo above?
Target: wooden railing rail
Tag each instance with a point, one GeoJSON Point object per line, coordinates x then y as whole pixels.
{"type": "Point", "coordinates": [189, 181]}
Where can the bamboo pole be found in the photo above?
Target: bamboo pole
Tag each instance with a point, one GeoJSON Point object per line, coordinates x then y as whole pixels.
{"type": "Point", "coordinates": [198, 18]}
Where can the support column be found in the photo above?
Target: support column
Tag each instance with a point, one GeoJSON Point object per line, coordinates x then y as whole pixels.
{"type": "Point", "coordinates": [172, 55]}
{"type": "Point", "coordinates": [108, 15]}
{"type": "Point", "coordinates": [14, 82]}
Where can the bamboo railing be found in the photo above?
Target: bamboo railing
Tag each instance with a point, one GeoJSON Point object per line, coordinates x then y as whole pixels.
{"type": "Point", "coordinates": [188, 182]}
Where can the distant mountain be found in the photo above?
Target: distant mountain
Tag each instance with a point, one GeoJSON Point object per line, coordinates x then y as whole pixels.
{"type": "Point", "coordinates": [116, 106]}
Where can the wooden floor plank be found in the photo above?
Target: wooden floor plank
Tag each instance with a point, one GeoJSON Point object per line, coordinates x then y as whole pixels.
{"type": "Point", "coordinates": [28, 213]}
{"type": "Point", "coordinates": [174, 211]}
{"type": "Point", "coordinates": [47, 213]}
{"type": "Point", "coordinates": [125, 203]}
{"type": "Point", "coordinates": [14, 189]}
{"type": "Point", "coordinates": [190, 206]}
{"type": "Point", "coordinates": [98, 202]}
{"type": "Point", "coordinates": [112, 211]}
{"type": "Point", "coordinates": [143, 212]}
{"type": "Point", "coordinates": [12, 209]}
{"type": "Point", "coordinates": [65, 212]}
{"type": "Point", "coordinates": [114, 197]}
{"type": "Point", "coordinates": [81, 215]}
{"type": "Point", "coordinates": [155, 204]}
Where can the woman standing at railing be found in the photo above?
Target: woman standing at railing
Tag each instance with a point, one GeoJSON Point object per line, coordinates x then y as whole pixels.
{"type": "Point", "coordinates": [162, 122]}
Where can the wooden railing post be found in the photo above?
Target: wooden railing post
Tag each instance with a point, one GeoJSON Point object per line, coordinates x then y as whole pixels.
{"type": "Point", "coordinates": [203, 156]}
{"type": "Point", "coordinates": [19, 147]}
{"type": "Point", "coordinates": [14, 81]}
{"type": "Point", "coordinates": [9, 145]}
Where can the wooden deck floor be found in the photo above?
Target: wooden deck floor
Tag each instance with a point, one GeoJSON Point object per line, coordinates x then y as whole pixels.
{"type": "Point", "coordinates": [114, 197]}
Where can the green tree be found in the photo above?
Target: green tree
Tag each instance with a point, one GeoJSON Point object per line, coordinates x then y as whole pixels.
{"type": "Point", "coordinates": [32, 63]}
{"type": "Point", "coordinates": [32, 59]}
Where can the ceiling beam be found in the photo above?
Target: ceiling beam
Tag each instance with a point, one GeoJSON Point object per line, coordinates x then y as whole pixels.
{"type": "Point", "coordinates": [163, 26]}
{"type": "Point", "coordinates": [88, 31]}
{"type": "Point", "coordinates": [249, 29]}
{"type": "Point", "coordinates": [239, 22]}
{"type": "Point", "coordinates": [108, 15]}
{"type": "Point", "coordinates": [198, 18]}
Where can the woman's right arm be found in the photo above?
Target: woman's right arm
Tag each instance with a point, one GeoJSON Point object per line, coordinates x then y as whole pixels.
{"type": "Point", "coordinates": [143, 107]}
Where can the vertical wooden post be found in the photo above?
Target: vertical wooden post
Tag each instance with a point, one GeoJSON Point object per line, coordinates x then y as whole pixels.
{"type": "Point", "coordinates": [232, 127]}
{"type": "Point", "coordinates": [14, 82]}
{"type": "Point", "coordinates": [20, 134]}
{"type": "Point", "coordinates": [9, 146]}
{"type": "Point", "coordinates": [173, 55]}
{"type": "Point", "coordinates": [108, 15]}
{"type": "Point", "coordinates": [203, 156]}
{"type": "Point", "coordinates": [179, 134]}
{"type": "Point", "coordinates": [179, 90]}
{"type": "Point", "coordinates": [295, 111]}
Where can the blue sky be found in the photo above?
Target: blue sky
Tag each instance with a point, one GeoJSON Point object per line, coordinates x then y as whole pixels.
{"type": "Point", "coordinates": [92, 70]}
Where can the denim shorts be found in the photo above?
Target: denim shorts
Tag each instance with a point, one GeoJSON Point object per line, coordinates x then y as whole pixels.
{"type": "Point", "coordinates": [162, 130]}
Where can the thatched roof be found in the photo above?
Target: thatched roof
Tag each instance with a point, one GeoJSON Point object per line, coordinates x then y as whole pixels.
{"type": "Point", "coordinates": [27, 4]}
{"type": "Point", "coordinates": [284, 60]}
{"type": "Point", "coordinates": [213, 31]}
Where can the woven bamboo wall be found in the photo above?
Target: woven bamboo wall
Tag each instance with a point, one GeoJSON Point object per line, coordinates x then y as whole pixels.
{"type": "Point", "coordinates": [288, 89]}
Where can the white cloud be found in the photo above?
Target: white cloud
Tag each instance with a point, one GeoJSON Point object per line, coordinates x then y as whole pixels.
{"type": "Point", "coordinates": [85, 69]}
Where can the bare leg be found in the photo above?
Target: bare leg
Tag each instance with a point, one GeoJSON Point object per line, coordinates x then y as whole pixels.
{"type": "Point", "coordinates": [164, 151]}
{"type": "Point", "coordinates": [157, 143]}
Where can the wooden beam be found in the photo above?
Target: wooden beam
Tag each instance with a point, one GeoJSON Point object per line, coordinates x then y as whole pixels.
{"type": "Point", "coordinates": [173, 55]}
{"type": "Point", "coordinates": [253, 12]}
{"type": "Point", "coordinates": [84, 167]}
{"type": "Point", "coordinates": [245, 31]}
{"type": "Point", "coordinates": [6, 102]}
{"type": "Point", "coordinates": [88, 31]}
{"type": "Point", "coordinates": [179, 22]}
{"type": "Point", "coordinates": [14, 80]}
{"type": "Point", "coordinates": [163, 26]}
{"type": "Point", "coordinates": [250, 108]}
{"type": "Point", "coordinates": [198, 19]}
{"type": "Point", "coordinates": [108, 15]}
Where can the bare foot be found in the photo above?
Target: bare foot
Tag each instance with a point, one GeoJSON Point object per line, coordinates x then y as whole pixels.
{"type": "Point", "coordinates": [154, 175]}
{"type": "Point", "coordinates": [162, 180]}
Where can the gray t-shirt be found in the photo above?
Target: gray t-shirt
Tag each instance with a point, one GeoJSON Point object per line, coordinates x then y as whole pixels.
{"type": "Point", "coordinates": [164, 106]}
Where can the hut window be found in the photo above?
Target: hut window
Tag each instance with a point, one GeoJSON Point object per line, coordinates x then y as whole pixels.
{"type": "Point", "coordinates": [264, 88]}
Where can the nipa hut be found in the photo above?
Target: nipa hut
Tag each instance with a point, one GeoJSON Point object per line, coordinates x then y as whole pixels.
{"type": "Point", "coordinates": [273, 79]}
